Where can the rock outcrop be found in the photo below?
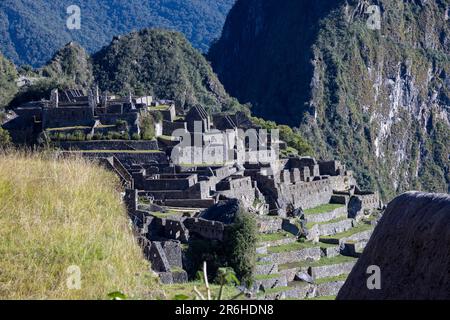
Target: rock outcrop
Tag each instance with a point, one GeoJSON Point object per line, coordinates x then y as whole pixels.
{"type": "Point", "coordinates": [411, 247]}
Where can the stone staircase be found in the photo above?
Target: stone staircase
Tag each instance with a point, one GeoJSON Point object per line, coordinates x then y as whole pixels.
{"type": "Point", "coordinates": [315, 268]}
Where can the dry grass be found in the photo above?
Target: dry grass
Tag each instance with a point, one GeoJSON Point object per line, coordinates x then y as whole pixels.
{"type": "Point", "coordinates": [59, 213]}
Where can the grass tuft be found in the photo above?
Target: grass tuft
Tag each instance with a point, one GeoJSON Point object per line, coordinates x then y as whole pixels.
{"type": "Point", "coordinates": [323, 208]}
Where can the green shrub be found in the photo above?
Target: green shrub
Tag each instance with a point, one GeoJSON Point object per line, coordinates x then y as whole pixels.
{"type": "Point", "coordinates": [122, 125]}
{"type": "Point", "coordinates": [97, 136]}
{"type": "Point", "coordinates": [5, 138]}
{"type": "Point", "coordinates": [292, 137]}
{"type": "Point", "coordinates": [147, 126]}
{"type": "Point", "coordinates": [157, 116]}
{"type": "Point", "coordinates": [237, 251]}
{"type": "Point", "coordinates": [240, 246]}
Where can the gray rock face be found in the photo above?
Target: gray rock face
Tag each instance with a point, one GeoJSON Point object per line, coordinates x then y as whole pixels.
{"type": "Point", "coordinates": [410, 245]}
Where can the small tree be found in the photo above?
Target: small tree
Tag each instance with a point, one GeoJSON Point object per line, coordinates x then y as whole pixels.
{"type": "Point", "coordinates": [5, 138]}
{"type": "Point", "coordinates": [240, 244]}
{"type": "Point", "coordinates": [147, 126]}
{"type": "Point", "coordinates": [225, 276]}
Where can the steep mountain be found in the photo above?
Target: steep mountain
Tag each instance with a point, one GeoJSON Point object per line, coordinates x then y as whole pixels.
{"type": "Point", "coordinates": [163, 64]}
{"type": "Point", "coordinates": [32, 30]}
{"type": "Point", "coordinates": [8, 87]}
{"type": "Point", "coordinates": [378, 98]}
{"type": "Point", "coordinates": [70, 65]}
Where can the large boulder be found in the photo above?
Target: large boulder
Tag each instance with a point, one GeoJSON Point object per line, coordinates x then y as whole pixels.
{"type": "Point", "coordinates": [411, 247]}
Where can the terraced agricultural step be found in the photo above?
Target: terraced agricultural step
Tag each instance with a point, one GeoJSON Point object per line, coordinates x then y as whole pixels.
{"type": "Point", "coordinates": [353, 248]}
{"type": "Point", "coordinates": [266, 268]}
{"type": "Point", "coordinates": [323, 268]}
{"type": "Point", "coordinates": [299, 290]}
{"type": "Point", "coordinates": [329, 286]}
{"type": "Point", "coordinates": [272, 294]}
{"type": "Point", "coordinates": [328, 298]}
{"type": "Point", "coordinates": [315, 231]}
{"type": "Point", "coordinates": [276, 239]}
{"type": "Point", "coordinates": [326, 213]}
{"type": "Point", "coordinates": [267, 282]}
{"type": "Point", "coordinates": [292, 252]}
{"type": "Point", "coordinates": [267, 224]}
{"type": "Point", "coordinates": [332, 267]}
{"type": "Point", "coordinates": [356, 234]}
{"type": "Point", "coordinates": [329, 250]}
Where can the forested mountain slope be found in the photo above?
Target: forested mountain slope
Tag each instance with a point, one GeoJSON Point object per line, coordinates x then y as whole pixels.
{"type": "Point", "coordinates": [31, 31]}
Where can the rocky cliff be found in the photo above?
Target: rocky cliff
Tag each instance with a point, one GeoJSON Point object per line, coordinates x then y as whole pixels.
{"type": "Point", "coordinates": [410, 246]}
{"type": "Point", "coordinates": [377, 98]}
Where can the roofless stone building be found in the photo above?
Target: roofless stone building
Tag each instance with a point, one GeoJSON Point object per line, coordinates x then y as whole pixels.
{"type": "Point", "coordinates": [178, 191]}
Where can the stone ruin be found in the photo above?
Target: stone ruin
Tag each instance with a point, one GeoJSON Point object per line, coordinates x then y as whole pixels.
{"type": "Point", "coordinates": [177, 193]}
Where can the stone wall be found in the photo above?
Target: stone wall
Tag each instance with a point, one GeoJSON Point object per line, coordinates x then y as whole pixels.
{"type": "Point", "coordinates": [238, 188]}
{"type": "Point", "coordinates": [270, 224]}
{"type": "Point", "coordinates": [67, 117]}
{"type": "Point", "coordinates": [360, 205]}
{"type": "Point", "coordinates": [161, 183]}
{"type": "Point", "coordinates": [211, 230]}
{"type": "Point", "coordinates": [109, 145]}
{"type": "Point", "coordinates": [170, 127]}
{"type": "Point", "coordinates": [129, 158]}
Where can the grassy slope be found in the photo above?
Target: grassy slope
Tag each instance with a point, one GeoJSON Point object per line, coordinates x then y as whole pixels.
{"type": "Point", "coordinates": [54, 214]}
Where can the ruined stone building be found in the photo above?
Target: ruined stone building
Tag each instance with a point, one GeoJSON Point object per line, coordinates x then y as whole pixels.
{"type": "Point", "coordinates": [197, 162]}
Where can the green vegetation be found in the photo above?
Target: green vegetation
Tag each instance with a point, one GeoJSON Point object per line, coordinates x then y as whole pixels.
{"type": "Point", "coordinates": [40, 89]}
{"type": "Point", "coordinates": [309, 225]}
{"type": "Point", "coordinates": [8, 76]}
{"type": "Point", "coordinates": [5, 139]}
{"type": "Point", "coordinates": [266, 276]}
{"type": "Point", "coordinates": [71, 65]}
{"type": "Point", "coordinates": [266, 237]}
{"type": "Point", "coordinates": [323, 208]}
{"type": "Point", "coordinates": [163, 64]}
{"type": "Point", "coordinates": [167, 214]}
{"type": "Point", "coordinates": [294, 246]}
{"type": "Point", "coordinates": [337, 82]}
{"type": "Point", "coordinates": [323, 298]}
{"type": "Point", "coordinates": [362, 227]}
{"type": "Point", "coordinates": [186, 290]}
{"type": "Point", "coordinates": [237, 251]}
{"type": "Point", "coordinates": [322, 262]}
{"type": "Point", "coordinates": [147, 126]}
{"type": "Point", "coordinates": [58, 213]}
{"type": "Point", "coordinates": [240, 245]}
{"type": "Point", "coordinates": [293, 138]}
{"type": "Point", "coordinates": [342, 277]}
{"type": "Point", "coordinates": [41, 24]}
